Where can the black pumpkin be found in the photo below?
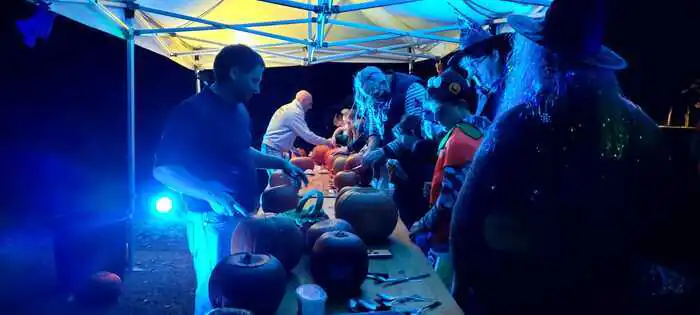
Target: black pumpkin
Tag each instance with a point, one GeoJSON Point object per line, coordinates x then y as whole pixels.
{"type": "Point", "coordinates": [272, 234]}
{"type": "Point", "coordinates": [254, 282]}
{"type": "Point", "coordinates": [371, 212]}
{"type": "Point", "coordinates": [330, 225]}
{"type": "Point", "coordinates": [279, 199]}
{"type": "Point", "coordinates": [339, 264]}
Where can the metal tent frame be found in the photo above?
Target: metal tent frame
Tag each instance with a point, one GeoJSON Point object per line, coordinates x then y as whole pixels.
{"type": "Point", "coordinates": [321, 14]}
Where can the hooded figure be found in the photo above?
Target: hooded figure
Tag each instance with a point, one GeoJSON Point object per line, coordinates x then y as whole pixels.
{"type": "Point", "coordinates": [558, 201]}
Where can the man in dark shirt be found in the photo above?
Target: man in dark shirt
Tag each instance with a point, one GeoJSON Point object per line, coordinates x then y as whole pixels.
{"type": "Point", "coordinates": [205, 153]}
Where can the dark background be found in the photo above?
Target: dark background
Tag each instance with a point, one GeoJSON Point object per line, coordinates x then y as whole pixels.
{"type": "Point", "coordinates": [64, 101]}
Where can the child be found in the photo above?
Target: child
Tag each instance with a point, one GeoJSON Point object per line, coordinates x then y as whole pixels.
{"type": "Point", "coordinates": [450, 98]}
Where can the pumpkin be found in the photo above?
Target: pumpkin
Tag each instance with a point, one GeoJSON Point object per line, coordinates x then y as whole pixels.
{"type": "Point", "coordinates": [304, 163]}
{"type": "Point", "coordinates": [352, 162]}
{"type": "Point", "coordinates": [279, 198]}
{"type": "Point", "coordinates": [318, 154]}
{"type": "Point", "coordinates": [279, 179]}
{"type": "Point", "coordinates": [330, 225]}
{"type": "Point", "coordinates": [338, 163]}
{"type": "Point", "coordinates": [254, 282]}
{"type": "Point", "coordinates": [102, 289]}
{"type": "Point", "coordinates": [371, 212]}
{"type": "Point", "coordinates": [272, 234]}
{"type": "Point", "coordinates": [339, 264]}
{"type": "Point", "coordinates": [328, 163]}
{"type": "Point", "coordinates": [344, 179]}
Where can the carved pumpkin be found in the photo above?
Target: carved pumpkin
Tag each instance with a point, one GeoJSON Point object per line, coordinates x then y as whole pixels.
{"type": "Point", "coordinates": [339, 263]}
{"type": "Point", "coordinates": [272, 234]}
{"type": "Point", "coordinates": [254, 282]}
{"type": "Point", "coordinates": [371, 212]}
{"type": "Point", "coordinates": [345, 179]}
{"type": "Point", "coordinates": [304, 163]}
{"type": "Point", "coordinates": [279, 199]}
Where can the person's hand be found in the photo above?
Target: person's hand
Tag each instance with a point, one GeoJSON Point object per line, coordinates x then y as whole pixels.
{"type": "Point", "coordinates": [224, 204]}
{"type": "Point", "coordinates": [342, 150]}
{"type": "Point", "coordinates": [372, 157]}
{"type": "Point", "coordinates": [296, 174]}
{"type": "Point", "coordinates": [395, 170]}
{"type": "Point", "coordinates": [416, 228]}
{"type": "Point", "coordinates": [331, 141]}
{"type": "Point", "coordinates": [427, 186]}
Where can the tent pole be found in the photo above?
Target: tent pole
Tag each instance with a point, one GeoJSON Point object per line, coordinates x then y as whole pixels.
{"type": "Point", "coordinates": [131, 131]}
{"type": "Point", "coordinates": [197, 80]}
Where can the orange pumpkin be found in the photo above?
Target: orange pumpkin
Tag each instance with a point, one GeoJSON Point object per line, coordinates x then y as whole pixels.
{"type": "Point", "coordinates": [318, 154]}
{"type": "Point", "coordinates": [338, 163]}
{"type": "Point", "coordinates": [304, 163]}
{"type": "Point", "coordinates": [353, 161]}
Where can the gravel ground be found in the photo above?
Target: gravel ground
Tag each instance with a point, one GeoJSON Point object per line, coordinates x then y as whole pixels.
{"type": "Point", "coordinates": [162, 284]}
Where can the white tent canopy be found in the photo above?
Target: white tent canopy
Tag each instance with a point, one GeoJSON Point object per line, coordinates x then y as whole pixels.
{"type": "Point", "coordinates": [294, 32]}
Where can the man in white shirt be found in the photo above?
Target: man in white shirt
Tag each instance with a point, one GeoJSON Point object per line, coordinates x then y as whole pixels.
{"type": "Point", "coordinates": [287, 124]}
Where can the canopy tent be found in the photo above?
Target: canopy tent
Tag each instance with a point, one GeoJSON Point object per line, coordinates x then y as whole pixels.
{"type": "Point", "coordinates": [285, 32]}
{"type": "Point", "coordinates": [292, 33]}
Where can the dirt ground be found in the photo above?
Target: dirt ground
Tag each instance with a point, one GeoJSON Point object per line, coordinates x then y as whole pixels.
{"type": "Point", "coordinates": [162, 284]}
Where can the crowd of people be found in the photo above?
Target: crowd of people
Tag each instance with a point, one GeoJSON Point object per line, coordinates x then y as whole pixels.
{"type": "Point", "coordinates": [521, 163]}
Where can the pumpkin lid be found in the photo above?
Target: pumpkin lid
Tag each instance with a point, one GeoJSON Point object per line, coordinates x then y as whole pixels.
{"type": "Point", "coordinates": [250, 260]}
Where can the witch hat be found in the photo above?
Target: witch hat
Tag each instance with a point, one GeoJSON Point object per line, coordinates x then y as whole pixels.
{"type": "Point", "coordinates": [573, 29]}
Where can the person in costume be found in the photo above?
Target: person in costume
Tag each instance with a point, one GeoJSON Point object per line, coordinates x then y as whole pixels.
{"type": "Point", "coordinates": [344, 131]}
{"type": "Point", "coordinates": [381, 99]}
{"type": "Point", "coordinates": [482, 58]}
{"type": "Point", "coordinates": [405, 170]}
{"type": "Point", "coordinates": [450, 98]}
{"type": "Point", "coordinates": [562, 197]}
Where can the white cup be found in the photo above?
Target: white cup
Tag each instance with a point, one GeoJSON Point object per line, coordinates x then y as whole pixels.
{"type": "Point", "coordinates": [311, 300]}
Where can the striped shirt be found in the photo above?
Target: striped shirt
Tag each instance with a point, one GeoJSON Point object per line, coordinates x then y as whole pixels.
{"type": "Point", "coordinates": [449, 176]}
{"type": "Point", "coordinates": [415, 97]}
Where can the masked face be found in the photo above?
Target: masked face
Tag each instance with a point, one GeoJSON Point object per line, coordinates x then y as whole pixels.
{"type": "Point", "coordinates": [377, 87]}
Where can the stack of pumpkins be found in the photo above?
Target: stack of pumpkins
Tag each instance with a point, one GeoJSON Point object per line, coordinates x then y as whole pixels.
{"type": "Point", "coordinates": [344, 168]}
{"type": "Point", "coordinates": [268, 247]}
{"type": "Point", "coordinates": [265, 249]}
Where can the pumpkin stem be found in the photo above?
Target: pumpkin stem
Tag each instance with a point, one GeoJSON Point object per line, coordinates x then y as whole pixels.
{"type": "Point", "coordinates": [247, 258]}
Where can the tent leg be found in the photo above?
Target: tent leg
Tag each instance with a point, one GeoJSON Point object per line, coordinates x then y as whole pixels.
{"type": "Point", "coordinates": [131, 134]}
{"type": "Point", "coordinates": [198, 82]}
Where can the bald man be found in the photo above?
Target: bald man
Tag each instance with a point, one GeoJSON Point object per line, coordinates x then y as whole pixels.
{"type": "Point", "coordinates": [287, 124]}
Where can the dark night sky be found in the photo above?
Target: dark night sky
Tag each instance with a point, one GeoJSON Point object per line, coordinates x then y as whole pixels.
{"type": "Point", "coordinates": [64, 104]}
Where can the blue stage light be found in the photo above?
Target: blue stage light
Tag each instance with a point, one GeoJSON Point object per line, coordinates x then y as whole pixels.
{"type": "Point", "coordinates": [163, 204]}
